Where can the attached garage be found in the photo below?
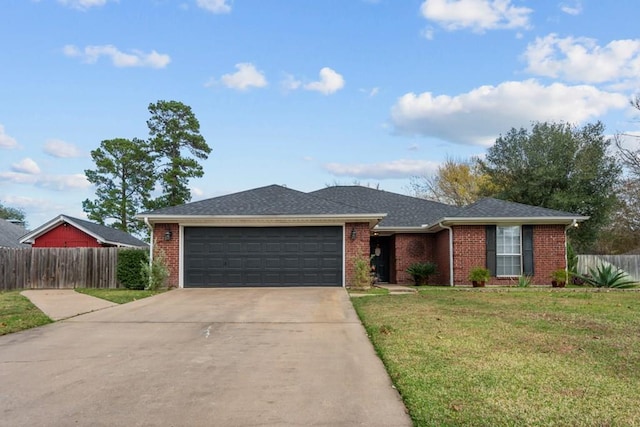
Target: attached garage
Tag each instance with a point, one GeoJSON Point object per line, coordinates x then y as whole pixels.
{"type": "Point", "coordinates": [263, 256]}
{"type": "Point", "coordinates": [264, 237]}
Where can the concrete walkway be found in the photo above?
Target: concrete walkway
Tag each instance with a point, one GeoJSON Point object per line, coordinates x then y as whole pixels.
{"type": "Point", "coordinates": [61, 304]}
{"type": "Point", "coordinates": [396, 289]}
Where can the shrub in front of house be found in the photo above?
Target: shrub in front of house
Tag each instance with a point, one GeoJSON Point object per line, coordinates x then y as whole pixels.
{"type": "Point", "coordinates": [420, 272]}
{"type": "Point", "coordinates": [130, 273]}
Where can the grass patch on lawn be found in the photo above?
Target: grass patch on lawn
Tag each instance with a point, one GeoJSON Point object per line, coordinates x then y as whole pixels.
{"type": "Point", "coordinates": [119, 296]}
{"type": "Point", "coordinates": [511, 357]}
{"type": "Point", "coordinates": [17, 313]}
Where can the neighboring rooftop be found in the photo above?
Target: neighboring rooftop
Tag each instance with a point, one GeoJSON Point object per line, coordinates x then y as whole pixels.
{"type": "Point", "coordinates": [10, 235]}
{"type": "Point", "coordinates": [102, 233]}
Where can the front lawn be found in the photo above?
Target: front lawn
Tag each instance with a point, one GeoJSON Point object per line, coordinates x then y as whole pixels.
{"type": "Point", "coordinates": [511, 357]}
{"type": "Point", "coordinates": [119, 296]}
{"type": "Point", "coordinates": [17, 313]}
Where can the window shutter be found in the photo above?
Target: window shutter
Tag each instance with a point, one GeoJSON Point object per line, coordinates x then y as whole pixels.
{"type": "Point", "coordinates": [527, 250]}
{"type": "Point", "coordinates": [491, 248]}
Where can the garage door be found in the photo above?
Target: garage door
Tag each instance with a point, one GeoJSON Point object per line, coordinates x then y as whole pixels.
{"type": "Point", "coordinates": [272, 256]}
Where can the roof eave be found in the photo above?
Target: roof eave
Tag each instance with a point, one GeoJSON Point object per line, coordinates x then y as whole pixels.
{"type": "Point", "coordinates": [535, 220]}
{"type": "Point", "coordinates": [221, 220]}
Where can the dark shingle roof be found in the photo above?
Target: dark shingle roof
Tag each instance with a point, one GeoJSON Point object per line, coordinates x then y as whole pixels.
{"type": "Point", "coordinates": [495, 208]}
{"type": "Point", "coordinates": [10, 235]}
{"type": "Point", "coordinates": [402, 211]}
{"type": "Point", "coordinates": [107, 234]}
{"type": "Point", "coordinates": [270, 200]}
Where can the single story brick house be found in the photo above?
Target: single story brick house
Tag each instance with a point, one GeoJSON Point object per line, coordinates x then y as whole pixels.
{"type": "Point", "coordinates": [276, 236]}
{"type": "Point", "coordinates": [65, 231]}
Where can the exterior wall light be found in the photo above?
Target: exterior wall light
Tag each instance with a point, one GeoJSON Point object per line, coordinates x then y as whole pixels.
{"type": "Point", "coordinates": [354, 234]}
{"type": "Point", "coordinates": [167, 235]}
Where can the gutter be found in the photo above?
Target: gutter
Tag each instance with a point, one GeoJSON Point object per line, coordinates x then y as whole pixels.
{"type": "Point", "coordinates": [566, 245]}
{"type": "Point", "coordinates": [451, 252]}
{"type": "Point", "coordinates": [146, 221]}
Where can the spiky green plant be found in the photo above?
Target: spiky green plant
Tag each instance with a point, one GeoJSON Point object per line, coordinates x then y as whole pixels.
{"type": "Point", "coordinates": [524, 281]}
{"type": "Point", "coordinates": [420, 271]}
{"type": "Point", "coordinates": [607, 276]}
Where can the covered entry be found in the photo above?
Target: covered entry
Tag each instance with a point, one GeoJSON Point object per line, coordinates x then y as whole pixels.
{"type": "Point", "coordinates": [262, 256]}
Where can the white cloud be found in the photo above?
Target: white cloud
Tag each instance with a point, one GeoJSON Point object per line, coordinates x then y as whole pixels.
{"type": "Point", "coordinates": [215, 6]}
{"type": "Point", "coordinates": [290, 83]}
{"type": "Point", "coordinates": [61, 149]}
{"type": "Point", "coordinates": [330, 82]}
{"type": "Point", "coordinates": [247, 76]}
{"type": "Point", "coordinates": [82, 4]}
{"type": "Point", "coordinates": [197, 193]}
{"type": "Point", "coordinates": [630, 140]}
{"type": "Point", "coordinates": [27, 166]}
{"type": "Point", "coordinates": [402, 168]}
{"type": "Point", "coordinates": [428, 33]}
{"type": "Point", "coordinates": [53, 182]}
{"type": "Point", "coordinates": [477, 15]}
{"type": "Point", "coordinates": [479, 116]}
{"type": "Point", "coordinates": [572, 8]}
{"type": "Point", "coordinates": [6, 141]}
{"type": "Point", "coordinates": [583, 60]}
{"type": "Point", "coordinates": [136, 58]}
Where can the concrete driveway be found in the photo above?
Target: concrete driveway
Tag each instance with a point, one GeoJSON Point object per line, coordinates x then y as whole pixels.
{"type": "Point", "coordinates": [201, 357]}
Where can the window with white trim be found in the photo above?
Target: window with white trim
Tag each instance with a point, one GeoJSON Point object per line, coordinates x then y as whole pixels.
{"type": "Point", "coordinates": [508, 251]}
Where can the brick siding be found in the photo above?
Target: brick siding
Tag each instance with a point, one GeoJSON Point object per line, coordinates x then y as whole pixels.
{"type": "Point", "coordinates": [441, 256]}
{"type": "Point", "coordinates": [354, 248]}
{"type": "Point", "coordinates": [469, 247]}
{"type": "Point", "coordinates": [170, 249]}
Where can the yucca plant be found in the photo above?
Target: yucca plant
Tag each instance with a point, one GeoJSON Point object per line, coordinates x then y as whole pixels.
{"type": "Point", "coordinates": [524, 281]}
{"type": "Point", "coordinates": [607, 276]}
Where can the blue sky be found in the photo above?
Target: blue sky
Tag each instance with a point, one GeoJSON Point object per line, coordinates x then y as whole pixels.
{"type": "Point", "coordinates": [303, 93]}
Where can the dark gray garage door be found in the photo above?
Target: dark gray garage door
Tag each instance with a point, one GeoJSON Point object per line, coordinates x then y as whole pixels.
{"type": "Point", "coordinates": [271, 256]}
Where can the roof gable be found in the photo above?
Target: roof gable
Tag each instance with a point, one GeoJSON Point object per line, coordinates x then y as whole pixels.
{"type": "Point", "coordinates": [270, 200]}
{"type": "Point", "coordinates": [402, 211]}
{"type": "Point", "coordinates": [100, 232]}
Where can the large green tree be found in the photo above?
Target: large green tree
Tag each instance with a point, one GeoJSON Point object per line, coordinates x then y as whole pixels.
{"type": "Point", "coordinates": [174, 134]}
{"type": "Point", "coordinates": [558, 166]}
{"type": "Point", "coordinates": [7, 212]}
{"type": "Point", "coordinates": [124, 178]}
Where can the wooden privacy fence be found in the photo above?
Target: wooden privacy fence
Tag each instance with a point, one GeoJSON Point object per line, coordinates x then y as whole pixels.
{"type": "Point", "coordinates": [58, 268]}
{"type": "Point", "coordinates": [630, 264]}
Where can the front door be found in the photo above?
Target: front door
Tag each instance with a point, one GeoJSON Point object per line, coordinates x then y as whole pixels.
{"type": "Point", "coordinates": [379, 250]}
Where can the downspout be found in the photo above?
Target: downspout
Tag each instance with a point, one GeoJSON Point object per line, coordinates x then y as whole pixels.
{"type": "Point", "coordinates": [146, 221]}
{"type": "Point", "coordinates": [451, 252]}
{"type": "Point", "coordinates": [574, 223]}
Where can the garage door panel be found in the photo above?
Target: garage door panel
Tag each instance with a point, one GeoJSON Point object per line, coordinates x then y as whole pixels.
{"type": "Point", "coordinates": [270, 256]}
{"type": "Point", "coordinates": [272, 247]}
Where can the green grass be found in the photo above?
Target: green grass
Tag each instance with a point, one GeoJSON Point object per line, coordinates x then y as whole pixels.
{"type": "Point", "coordinates": [17, 313]}
{"type": "Point", "coordinates": [119, 296]}
{"type": "Point", "coordinates": [463, 357]}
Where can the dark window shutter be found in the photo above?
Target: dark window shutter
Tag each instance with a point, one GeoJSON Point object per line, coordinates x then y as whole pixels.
{"type": "Point", "coordinates": [491, 249]}
{"type": "Point", "coordinates": [527, 250]}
